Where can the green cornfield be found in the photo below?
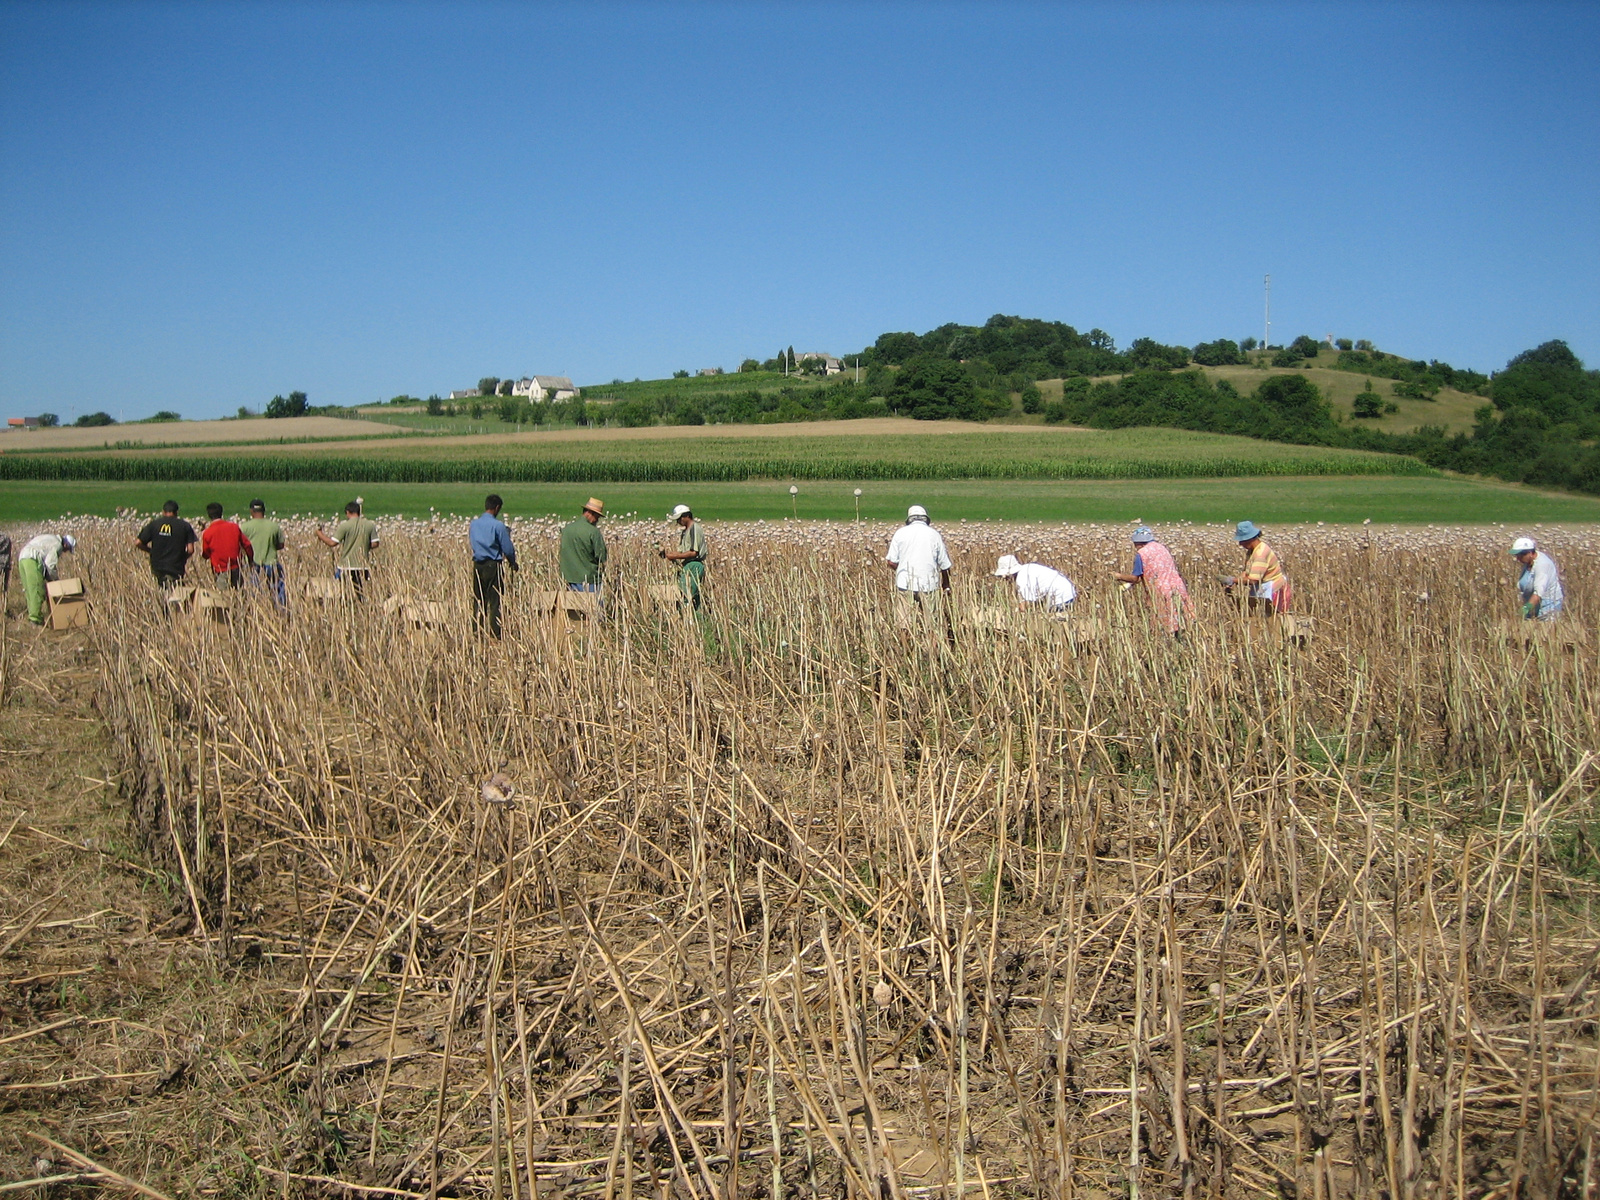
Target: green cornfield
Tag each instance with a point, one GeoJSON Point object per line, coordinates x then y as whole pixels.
{"type": "Point", "coordinates": [734, 461]}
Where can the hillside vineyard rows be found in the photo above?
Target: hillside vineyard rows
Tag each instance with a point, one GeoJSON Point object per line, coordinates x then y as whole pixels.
{"type": "Point", "coordinates": [791, 901]}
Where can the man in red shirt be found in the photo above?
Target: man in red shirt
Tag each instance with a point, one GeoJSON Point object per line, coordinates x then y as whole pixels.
{"type": "Point", "coordinates": [225, 546]}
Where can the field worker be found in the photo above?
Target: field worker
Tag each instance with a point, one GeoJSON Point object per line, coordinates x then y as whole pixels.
{"type": "Point", "coordinates": [1037, 583]}
{"type": "Point", "coordinates": [583, 550]}
{"type": "Point", "coordinates": [225, 547]}
{"type": "Point", "coordinates": [1269, 589]}
{"type": "Point", "coordinates": [1539, 583]}
{"type": "Point", "coordinates": [266, 540]}
{"type": "Point", "coordinates": [920, 561]}
{"type": "Point", "coordinates": [1154, 570]}
{"type": "Point", "coordinates": [491, 553]}
{"type": "Point", "coordinates": [5, 569]}
{"type": "Point", "coordinates": [37, 565]}
{"type": "Point", "coordinates": [170, 541]}
{"type": "Point", "coordinates": [690, 554]}
{"type": "Point", "coordinates": [355, 538]}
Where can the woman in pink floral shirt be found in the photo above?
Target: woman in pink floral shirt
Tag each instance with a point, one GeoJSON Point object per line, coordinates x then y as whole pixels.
{"type": "Point", "coordinates": [1154, 569]}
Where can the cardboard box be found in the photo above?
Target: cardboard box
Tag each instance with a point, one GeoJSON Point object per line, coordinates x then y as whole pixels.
{"type": "Point", "coordinates": [69, 607]}
{"type": "Point", "coordinates": [580, 606]}
{"type": "Point", "coordinates": [662, 597]}
{"type": "Point", "coordinates": [418, 615]}
{"type": "Point", "coordinates": [212, 605]}
{"type": "Point", "coordinates": [322, 589]}
{"type": "Point", "coordinates": [1562, 633]}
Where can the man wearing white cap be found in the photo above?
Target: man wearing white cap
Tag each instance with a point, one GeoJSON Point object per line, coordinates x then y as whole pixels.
{"type": "Point", "coordinates": [37, 566]}
{"type": "Point", "coordinates": [1540, 582]}
{"type": "Point", "coordinates": [920, 561]}
{"type": "Point", "coordinates": [1037, 583]}
{"type": "Point", "coordinates": [690, 554]}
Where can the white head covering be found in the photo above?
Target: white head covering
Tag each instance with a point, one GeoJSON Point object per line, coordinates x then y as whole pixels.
{"type": "Point", "coordinates": [1008, 565]}
{"type": "Point", "coordinates": [916, 513]}
{"type": "Point", "coordinates": [1522, 545]}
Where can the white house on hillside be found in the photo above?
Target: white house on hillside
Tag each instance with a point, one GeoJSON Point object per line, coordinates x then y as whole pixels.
{"type": "Point", "coordinates": [831, 365]}
{"type": "Point", "coordinates": [545, 387]}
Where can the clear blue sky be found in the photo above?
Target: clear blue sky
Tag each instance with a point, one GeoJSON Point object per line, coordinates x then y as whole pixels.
{"type": "Point", "coordinates": [202, 205]}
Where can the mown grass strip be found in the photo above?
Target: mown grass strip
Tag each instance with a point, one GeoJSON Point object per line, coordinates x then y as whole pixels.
{"type": "Point", "coordinates": [370, 469]}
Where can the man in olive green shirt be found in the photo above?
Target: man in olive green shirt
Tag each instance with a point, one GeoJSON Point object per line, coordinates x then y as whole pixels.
{"type": "Point", "coordinates": [354, 538]}
{"type": "Point", "coordinates": [266, 538]}
{"type": "Point", "coordinates": [583, 550]}
{"type": "Point", "coordinates": [690, 555]}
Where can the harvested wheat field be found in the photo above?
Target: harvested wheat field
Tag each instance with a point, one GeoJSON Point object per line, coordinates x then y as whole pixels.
{"type": "Point", "coordinates": [791, 900]}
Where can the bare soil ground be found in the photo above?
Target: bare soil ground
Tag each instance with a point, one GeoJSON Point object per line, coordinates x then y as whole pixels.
{"type": "Point", "coordinates": [101, 1011]}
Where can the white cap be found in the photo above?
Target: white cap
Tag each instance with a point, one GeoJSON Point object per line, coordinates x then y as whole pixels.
{"type": "Point", "coordinates": [1008, 565]}
{"type": "Point", "coordinates": [915, 511]}
{"type": "Point", "coordinates": [1522, 545]}
{"type": "Point", "coordinates": [681, 511]}
{"type": "Point", "coordinates": [68, 542]}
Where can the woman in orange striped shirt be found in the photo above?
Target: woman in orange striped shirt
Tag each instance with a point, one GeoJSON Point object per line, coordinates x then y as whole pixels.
{"type": "Point", "coordinates": [1270, 592]}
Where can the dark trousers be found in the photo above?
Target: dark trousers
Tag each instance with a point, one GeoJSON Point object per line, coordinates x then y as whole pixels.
{"type": "Point", "coordinates": [486, 585]}
{"type": "Point", "coordinates": [355, 576]}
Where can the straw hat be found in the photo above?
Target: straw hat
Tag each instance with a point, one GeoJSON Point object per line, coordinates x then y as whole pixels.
{"type": "Point", "coordinates": [597, 507]}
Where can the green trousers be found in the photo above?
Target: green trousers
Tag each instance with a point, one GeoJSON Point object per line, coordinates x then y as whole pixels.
{"type": "Point", "coordinates": [690, 576]}
{"type": "Point", "coordinates": [33, 588]}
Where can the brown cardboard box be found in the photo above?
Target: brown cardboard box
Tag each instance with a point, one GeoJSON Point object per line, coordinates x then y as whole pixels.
{"type": "Point", "coordinates": [69, 607]}
{"type": "Point", "coordinates": [323, 589]}
{"type": "Point", "coordinates": [662, 597]}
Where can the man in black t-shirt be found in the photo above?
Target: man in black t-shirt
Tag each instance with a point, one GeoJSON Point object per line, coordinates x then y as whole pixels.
{"type": "Point", "coordinates": [170, 542]}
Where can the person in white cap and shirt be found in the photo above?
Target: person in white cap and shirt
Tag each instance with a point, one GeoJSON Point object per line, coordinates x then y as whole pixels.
{"type": "Point", "coordinates": [919, 558]}
{"type": "Point", "coordinates": [1539, 583]}
{"type": "Point", "coordinates": [690, 554]}
{"type": "Point", "coordinates": [1037, 583]}
{"type": "Point", "coordinates": [37, 565]}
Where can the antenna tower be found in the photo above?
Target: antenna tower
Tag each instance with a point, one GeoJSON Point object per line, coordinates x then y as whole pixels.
{"type": "Point", "coordinates": [1266, 337]}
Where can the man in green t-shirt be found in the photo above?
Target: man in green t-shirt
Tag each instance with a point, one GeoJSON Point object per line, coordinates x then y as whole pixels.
{"type": "Point", "coordinates": [354, 538]}
{"type": "Point", "coordinates": [690, 554]}
{"type": "Point", "coordinates": [583, 550]}
{"type": "Point", "coordinates": [266, 538]}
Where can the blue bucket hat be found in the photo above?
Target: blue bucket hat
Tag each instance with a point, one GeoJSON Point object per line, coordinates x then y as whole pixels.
{"type": "Point", "coordinates": [1142, 534]}
{"type": "Point", "coordinates": [1246, 531]}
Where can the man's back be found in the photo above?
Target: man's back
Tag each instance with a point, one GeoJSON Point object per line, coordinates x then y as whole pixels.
{"type": "Point", "coordinates": [1036, 582]}
{"type": "Point", "coordinates": [920, 555]}
{"type": "Point", "coordinates": [169, 537]}
{"type": "Point", "coordinates": [583, 551]}
{"type": "Point", "coordinates": [265, 537]}
{"type": "Point", "coordinates": [354, 535]}
{"type": "Point", "coordinates": [224, 544]}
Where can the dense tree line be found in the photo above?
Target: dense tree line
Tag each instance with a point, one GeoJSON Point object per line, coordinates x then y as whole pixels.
{"type": "Point", "coordinates": [1540, 427]}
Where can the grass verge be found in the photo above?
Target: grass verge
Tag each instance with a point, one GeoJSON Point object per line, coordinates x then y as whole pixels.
{"type": "Point", "coordinates": [1278, 500]}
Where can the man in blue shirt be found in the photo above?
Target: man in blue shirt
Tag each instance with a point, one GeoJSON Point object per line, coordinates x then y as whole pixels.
{"type": "Point", "coordinates": [491, 546]}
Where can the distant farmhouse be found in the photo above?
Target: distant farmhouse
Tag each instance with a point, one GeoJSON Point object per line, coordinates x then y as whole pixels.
{"type": "Point", "coordinates": [545, 387]}
{"type": "Point", "coordinates": [465, 394]}
{"type": "Point", "coordinates": [711, 370]}
{"type": "Point", "coordinates": [22, 422]}
{"type": "Point", "coordinates": [830, 364]}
